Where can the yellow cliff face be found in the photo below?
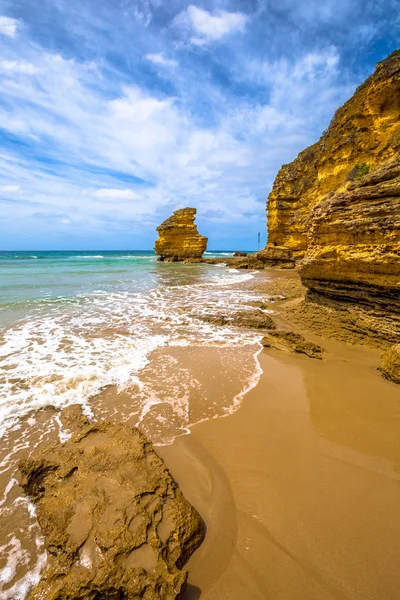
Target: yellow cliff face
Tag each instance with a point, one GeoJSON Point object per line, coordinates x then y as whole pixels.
{"type": "Point", "coordinates": [336, 208]}
{"type": "Point", "coordinates": [363, 133]}
{"type": "Point", "coordinates": [178, 237]}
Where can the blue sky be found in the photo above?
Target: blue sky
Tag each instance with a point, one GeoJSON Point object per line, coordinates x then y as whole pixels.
{"type": "Point", "coordinates": [113, 113]}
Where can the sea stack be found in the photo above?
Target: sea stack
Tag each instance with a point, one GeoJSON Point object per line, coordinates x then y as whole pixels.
{"type": "Point", "coordinates": [335, 210]}
{"type": "Point", "coordinates": [178, 237]}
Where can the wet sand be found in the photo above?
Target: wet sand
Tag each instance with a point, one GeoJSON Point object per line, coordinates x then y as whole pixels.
{"type": "Point", "coordinates": [300, 488]}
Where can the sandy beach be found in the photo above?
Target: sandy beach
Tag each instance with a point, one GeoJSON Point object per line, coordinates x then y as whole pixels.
{"type": "Point", "coordinates": [300, 487]}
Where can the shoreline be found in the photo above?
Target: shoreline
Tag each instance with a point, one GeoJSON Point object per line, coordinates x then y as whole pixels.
{"type": "Point", "coordinates": [278, 482]}
{"type": "Point", "coordinates": [311, 463]}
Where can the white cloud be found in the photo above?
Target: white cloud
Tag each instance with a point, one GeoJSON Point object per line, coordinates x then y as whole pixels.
{"type": "Point", "coordinates": [65, 221]}
{"type": "Point", "coordinates": [160, 59]}
{"type": "Point", "coordinates": [118, 194]}
{"type": "Point", "coordinates": [94, 132]}
{"type": "Point", "coordinates": [10, 188]}
{"type": "Point", "coordinates": [8, 26]}
{"type": "Point", "coordinates": [208, 27]}
{"type": "Point", "coordinates": [17, 66]}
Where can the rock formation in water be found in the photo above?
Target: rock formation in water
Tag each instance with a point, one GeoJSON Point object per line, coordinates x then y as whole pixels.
{"type": "Point", "coordinates": [178, 237]}
{"type": "Point", "coordinates": [115, 523]}
{"type": "Point", "coordinates": [336, 208]}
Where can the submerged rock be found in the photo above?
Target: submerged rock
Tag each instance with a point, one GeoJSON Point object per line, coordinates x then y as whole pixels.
{"type": "Point", "coordinates": [390, 364]}
{"type": "Point", "coordinates": [115, 523]}
{"type": "Point", "coordinates": [179, 239]}
{"type": "Point", "coordinates": [292, 342]}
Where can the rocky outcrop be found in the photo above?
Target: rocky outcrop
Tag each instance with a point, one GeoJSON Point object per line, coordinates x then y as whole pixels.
{"type": "Point", "coordinates": [390, 364]}
{"type": "Point", "coordinates": [353, 255]}
{"type": "Point", "coordinates": [336, 209]}
{"type": "Point", "coordinates": [363, 133]}
{"type": "Point", "coordinates": [115, 523]}
{"type": "Point", "coordinates": [292, 342]}
{"type": "Point", "coordinates": [256, 260]}
{"type": "Point", "coordinates": [178, 237]}
{"type": "Point", "coordinates": [252, 319]}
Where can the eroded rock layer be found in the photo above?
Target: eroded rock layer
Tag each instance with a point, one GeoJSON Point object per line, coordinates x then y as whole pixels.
{"type": "Point", "coordinates": [363, 133]}
{"type": "Point", "coordinates": [390, 364]}
{"type": "Point", "coordinates": [353, 253]}
{"type": "Point", "coordinates": [178, 237]}
{"type": "Point", "coordinates": [115, 523]}
{"type": "Point", "coordinates": [336, 209]}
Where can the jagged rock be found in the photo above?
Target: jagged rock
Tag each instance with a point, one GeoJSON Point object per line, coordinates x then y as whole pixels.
{"type": "Point", "coordinates": [292, 342]}
{"type": "Point", "coordinates": [253, 319]}
{"type": "Point", "coordinates": [363, 133]}
{"type": "Point", "coordinates": [337, 207]}
{"type": "Point", "coordinates": [353, 256]}
{"type": "Point", "coordinates": [277, 256]}
{"type": "Point", "coordinates": [179, 239]}
{"type": "Point", "coordinates": [241, 254]}
{"type": "Point", "coordinates": [390, 364]}
{"type": "Point", "coordinates": [115, 523]}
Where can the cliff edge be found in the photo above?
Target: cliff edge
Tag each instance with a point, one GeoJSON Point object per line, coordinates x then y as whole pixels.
{"type": "Point", "coordinates": [178, 237]}
{"type": "Point", "coordinates": [335, 210]}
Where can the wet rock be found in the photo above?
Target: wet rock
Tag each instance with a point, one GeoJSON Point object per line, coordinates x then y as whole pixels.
{"type": "Point", "coordinates": [292, 342]}
{"type": "Point", "coordinates": [259, 304]}
{"type": "Point", "coordinates": [252, 319]}
{"type": "Point", "coordinates": [241, 254]}
{"type": "Point", "coordinates": [73, 418]}
{"type": "Point", "coordinates": [179, 239]}
{"type": "Point", "coordinates": [115, 523]}
{"type": "Point", "coordinates": [390, 364]}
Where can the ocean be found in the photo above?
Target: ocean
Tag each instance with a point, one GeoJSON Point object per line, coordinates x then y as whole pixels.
{"type": "Point", "coordinates": [112, 331]}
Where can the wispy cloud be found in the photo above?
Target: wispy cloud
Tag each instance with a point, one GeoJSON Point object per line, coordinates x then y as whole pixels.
{"type": "Point", "coordinates": [122, 115]}
{"type": "Point", "coordinates": [17, 66]}
{"type": "Point", "coordinates": [160, 59]}
{"type": "Point", "coordinates": [208, 27]}
{"type": "Point", "coordinates": [118, 194]}
{"type": "Point", "coordinates": [9, 188]}
{"type": "Point", "coordinates": [8, 26]}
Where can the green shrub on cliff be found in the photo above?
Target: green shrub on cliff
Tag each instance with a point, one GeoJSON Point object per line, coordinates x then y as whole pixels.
{"type": "Point", "coordinates": [358, 171]}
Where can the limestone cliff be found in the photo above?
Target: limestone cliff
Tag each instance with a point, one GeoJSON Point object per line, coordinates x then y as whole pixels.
{"type": "Point", "coordinates": [337, 207]}
{"type": "Point", "coordinates": [353, 252]}
{"type": "Point", "coordinates": [363, 133]}
{"type": "Point", "coordinates": [178, 237]}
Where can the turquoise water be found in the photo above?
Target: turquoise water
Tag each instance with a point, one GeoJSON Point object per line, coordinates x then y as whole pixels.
{"type": "Point", "coordinates": [124, 336]}
{"type": "Point", "coordinates": [32, 276]}
{"type": "Point", "coordinates": [73, 323]}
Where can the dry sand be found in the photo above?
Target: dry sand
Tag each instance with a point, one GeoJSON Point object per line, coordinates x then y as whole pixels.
{"type": "Point", "coordinates": [300, 487]}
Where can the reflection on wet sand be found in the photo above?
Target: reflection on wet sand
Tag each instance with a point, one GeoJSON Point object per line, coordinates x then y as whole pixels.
{"type": "Point", "coordinates": [312, 464]}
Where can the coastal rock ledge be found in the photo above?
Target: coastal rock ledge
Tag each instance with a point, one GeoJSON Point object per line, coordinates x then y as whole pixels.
{"type": "Point", "coordinates": [179, 239]}
{"type": "Point", "coordinates": [335, 211]}
{"type": "Point", "coordinates": [115, 523]}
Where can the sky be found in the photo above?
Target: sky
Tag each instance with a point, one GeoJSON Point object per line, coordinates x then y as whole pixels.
{"type": "Point", "coordinates": [114, 113]}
